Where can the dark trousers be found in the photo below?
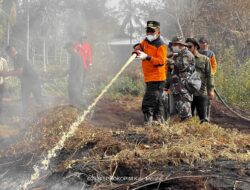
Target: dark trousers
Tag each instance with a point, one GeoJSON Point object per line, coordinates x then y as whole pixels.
{"type": "Point", "coordinates": [166, 106]}
{"type": "Point", "coordinates": [200, 103]}
{"type": "Point", "coordinates": [208, 110]}
{"type": "Point", "coordinates": [28, 88]}
{"type": "Point", "coordinates": [75, 93]}
{"type": "Point", "coordinates": [152, 104]}
{"type": "Point", "coordinates": [84, 79]}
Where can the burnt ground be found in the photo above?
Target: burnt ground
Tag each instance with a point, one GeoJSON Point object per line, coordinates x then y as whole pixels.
{"type": "Point", "coordinates": [129, 110]}
{"type": "Point", "coordinates": [120, 114]}
{"type": "Point", "coordinates": [223, 117]}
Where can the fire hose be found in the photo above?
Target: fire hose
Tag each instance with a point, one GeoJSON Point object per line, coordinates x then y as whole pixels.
{"type": "Point", "coordinates": [43, 165]}
{"type": "Point", "coordinates": [230, 109]}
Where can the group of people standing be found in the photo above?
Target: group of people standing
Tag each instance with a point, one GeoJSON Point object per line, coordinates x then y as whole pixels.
{"type": "Point", "coordinates": [80, 61]}
{"type": "Point", "coordinates": [185, 69]}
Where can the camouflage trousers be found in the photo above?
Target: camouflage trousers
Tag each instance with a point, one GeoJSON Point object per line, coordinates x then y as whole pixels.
{"type": "Point", "coordinates": [183, 105]}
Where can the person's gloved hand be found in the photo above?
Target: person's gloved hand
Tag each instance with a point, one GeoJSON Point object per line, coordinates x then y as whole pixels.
{"type": "Point", "coordinates": [211, 94]}
{"type": "Point", "coordinates": [175, 79]}
{"type": "Point", "coordinates": [136, 48]}
{"type": "Point", "coordinates": [141, 55]}
{"type": "Point", "coordinates": [135, 52]}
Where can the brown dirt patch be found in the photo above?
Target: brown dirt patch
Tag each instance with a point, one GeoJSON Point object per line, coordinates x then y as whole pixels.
{"type": "Point", "coordinates": [222, 116]}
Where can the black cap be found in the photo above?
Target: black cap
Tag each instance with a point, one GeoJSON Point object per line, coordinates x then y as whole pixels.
{"type": "Point", "coordinates": [203, 40]}
{"type": "Point", "coordinates": [153, 24]}
{"type": "Point", "coordinates": [193, 41]}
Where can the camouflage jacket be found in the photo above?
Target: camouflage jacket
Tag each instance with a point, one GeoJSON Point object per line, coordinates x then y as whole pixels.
{"type": "Point", "coordinates": [202, 65]}
{"type": "Point", "coordinates": [184, 65]}
{"type": "Point", "coordinates": [183, 62]}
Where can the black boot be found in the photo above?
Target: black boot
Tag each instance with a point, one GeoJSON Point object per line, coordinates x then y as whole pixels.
{"type": "Point", "coordinates": [159, 119]}
{"type": "Point", "coordinates": [148, 119]}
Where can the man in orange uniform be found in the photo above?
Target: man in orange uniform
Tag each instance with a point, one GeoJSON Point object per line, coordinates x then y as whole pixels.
{"type": "Point", "coordinates": [153, 53]}
{"type": "Point", "coordinates": [203, 42]}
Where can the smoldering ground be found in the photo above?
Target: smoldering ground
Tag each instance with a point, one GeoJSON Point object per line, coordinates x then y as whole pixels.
{"type": "Point", "coordinates": [51, 26]}
{"type": "Point", "coordinates": [44, 27]}
{"type": "Point", "coordinates": [40, 31]}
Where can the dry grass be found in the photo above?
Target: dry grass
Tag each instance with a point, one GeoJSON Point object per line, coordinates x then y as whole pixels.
{"type": "Point", "coordinates": [45, 133]}
{"type": "Point", "coordinates": [108, 150]}
{"type": "Point", "coordinates": [173, 144]}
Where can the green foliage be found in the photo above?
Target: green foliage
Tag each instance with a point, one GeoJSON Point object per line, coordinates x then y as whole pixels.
{"type": "Point", "coordinates": [127, 85]}
{"type": "Point", "coordinates": [12, 87]}
{"type": "Point", "coordinates": [233, 80]}
{"type": "Point", "coordinates": [56, 87]}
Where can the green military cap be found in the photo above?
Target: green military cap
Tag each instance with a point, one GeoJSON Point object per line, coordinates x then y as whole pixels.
{"type": "Point", "coordinates": [193, 41]}
{"type": "Point", "coordinates": [153, 24]}
{"type": "Point", "coordinates": [178, 40]}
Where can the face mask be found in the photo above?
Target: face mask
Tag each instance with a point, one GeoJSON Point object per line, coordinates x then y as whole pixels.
{"type": "Point", "coordinates": [151, 37]}
{"type": "Point", "coordinates": [176, 49]}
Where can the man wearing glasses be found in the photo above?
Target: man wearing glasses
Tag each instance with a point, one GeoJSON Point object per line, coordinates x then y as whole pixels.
{"type": "Point", "coordinates": [204, 50]}
{"type": "Point", "coordinates": [206, 93]}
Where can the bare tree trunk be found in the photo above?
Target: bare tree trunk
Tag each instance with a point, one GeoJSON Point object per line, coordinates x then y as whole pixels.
{"type": "Point", "coordinates": [178, 19]}
{"type": "Point", "coordinates": [47, 56]}
{"type": "Point", "coordinates": [44, 56]}
{"type": "Point", "coordinates": [8, 34]}
{"type": "Point", "coordinates": [192, 32]}
{"type": "Point", "coordinates": [130, 23]}
{"type": "Point", "coordinates": [33, 59]}
{"type": "Point", "coordinates": [28, 31]}
{"type": "Point", "coordinates": [55, 55]}
{"type": "Point", "coordinates": [60, 58]}
{"type": "Point", "coordinates": [179, 25]}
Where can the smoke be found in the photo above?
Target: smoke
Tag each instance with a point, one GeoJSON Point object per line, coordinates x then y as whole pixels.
{"type": "Point", "coordinates": [51, 25]}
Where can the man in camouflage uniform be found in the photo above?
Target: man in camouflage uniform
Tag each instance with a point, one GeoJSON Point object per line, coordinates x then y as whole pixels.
{"type": "Point", "coordinates": [169, 104]}
{"type": "Point", "coordinates": [206, 92]}
{"type": "Point", "coordinates": [183, 68]}
{"type": "Point", "coordinates": [205, 50]}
